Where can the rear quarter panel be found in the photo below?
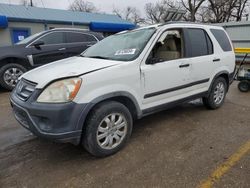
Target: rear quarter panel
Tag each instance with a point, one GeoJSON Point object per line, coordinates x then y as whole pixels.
{"type": "Point", "coordinates": [227, 58]}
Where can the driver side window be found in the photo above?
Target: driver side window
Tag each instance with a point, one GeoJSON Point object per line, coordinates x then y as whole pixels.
{"type": "Point", "coordinates": [53, 38]}
{"type": "Point", "coordinates": [169, 46]}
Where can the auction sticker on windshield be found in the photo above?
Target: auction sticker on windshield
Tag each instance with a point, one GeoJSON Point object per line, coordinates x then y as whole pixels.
{"type": "Point", "coordinates": [126, 52]}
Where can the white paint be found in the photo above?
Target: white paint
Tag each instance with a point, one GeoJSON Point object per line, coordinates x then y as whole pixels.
{"type": "Point", "coordinates": [136, 77]}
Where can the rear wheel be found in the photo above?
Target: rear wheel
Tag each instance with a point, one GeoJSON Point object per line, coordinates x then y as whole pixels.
{"type": "Point", "coordinates": [108, 128]}
{"type": "Point", "coordinates": [244, 86]}
{"type": "Point", "coordinates": [9, 75]}
{"type": "Point", "coordinates": [217, 94]}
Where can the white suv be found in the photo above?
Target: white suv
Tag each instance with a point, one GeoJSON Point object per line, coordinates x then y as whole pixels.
{"type": "Point", "coordinates": [93, 99]}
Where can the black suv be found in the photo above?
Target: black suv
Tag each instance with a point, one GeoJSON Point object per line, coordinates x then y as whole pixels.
{"type": "Point", "coordinates": [40, 49]}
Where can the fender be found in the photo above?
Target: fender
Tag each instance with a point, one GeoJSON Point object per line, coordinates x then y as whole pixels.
{"type": "Point", "coordinates": [99, 99]}
{"type": "Point", "coordinates": [27, 63]}
{"type": "Point", "coordinates": [215, 77]}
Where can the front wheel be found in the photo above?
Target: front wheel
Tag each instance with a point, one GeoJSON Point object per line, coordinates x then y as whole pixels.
{"type": "Point", "coordinates": [9, 75]}
{"type": "Point", "coordinates": [217, 94]}
{"type": "Point", "coordinates": [108, 128]}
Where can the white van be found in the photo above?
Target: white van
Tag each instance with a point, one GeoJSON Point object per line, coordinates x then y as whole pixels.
{"type": "Point", "coordinates": [93, 99]}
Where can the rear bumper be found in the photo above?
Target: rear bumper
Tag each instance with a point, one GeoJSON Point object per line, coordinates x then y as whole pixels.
{"type": "Point", "coordinates": [58, 122]}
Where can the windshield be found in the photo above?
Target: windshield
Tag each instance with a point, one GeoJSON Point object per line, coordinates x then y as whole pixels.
{"type": "Point", "coordinates": [124, 46]}
{"type": "Point", "coordinates": [28, 39]}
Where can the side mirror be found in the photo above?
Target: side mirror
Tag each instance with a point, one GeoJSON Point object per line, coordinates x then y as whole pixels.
{"type": "Point", "coordinates": [38, 43]}
{"type": "Point", "coordinates": [154, 60]}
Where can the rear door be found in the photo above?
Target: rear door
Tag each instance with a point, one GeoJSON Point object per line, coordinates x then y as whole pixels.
{"type": "Point", "coordinates": [54, 48]}
{"type": "Point", "coordinates": [78, 42]}
{"type": "Point", "coordinates": [200, 53]}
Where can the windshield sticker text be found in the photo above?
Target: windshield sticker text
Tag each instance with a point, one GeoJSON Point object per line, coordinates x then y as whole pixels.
{"type": "Point", "coordinates": [126, 52]}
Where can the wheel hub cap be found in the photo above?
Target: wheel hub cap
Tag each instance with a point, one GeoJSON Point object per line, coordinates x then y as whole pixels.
{"type": "Point", "coordinates": [111, 131]}
{"type": "Point", "coordinates": [11, 76]}
{"type": "Point", "coordinates": [219, 93]}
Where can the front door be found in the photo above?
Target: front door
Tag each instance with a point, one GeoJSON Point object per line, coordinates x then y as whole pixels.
{"type": "Point", "coordinates": [19, 34]}
{"type": "Point", "coordinates": [166, 75]}
{"type": "Point", "coordinates": [53, 49]}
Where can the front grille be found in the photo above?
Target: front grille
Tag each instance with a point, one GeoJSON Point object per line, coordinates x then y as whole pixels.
{"type": "Point", "coordinates": [24, 89]}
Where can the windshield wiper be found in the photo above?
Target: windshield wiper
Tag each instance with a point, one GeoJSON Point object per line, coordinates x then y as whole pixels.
{"type": "Point", "coordinates": [97, 57]}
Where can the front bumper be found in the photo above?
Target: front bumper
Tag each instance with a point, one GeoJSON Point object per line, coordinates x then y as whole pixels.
{"type": "Point", "coordinates": [58, 122]}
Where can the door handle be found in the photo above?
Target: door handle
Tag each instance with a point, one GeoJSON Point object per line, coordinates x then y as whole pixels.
{"type": "Point", "coordinates": [89, 45]}
{"type": "Point", "coordinates": [61, 49]}
{"type": "Point", "coordinates": [216, 59]}
{"type": "Point", "coordinates": [184, 65]}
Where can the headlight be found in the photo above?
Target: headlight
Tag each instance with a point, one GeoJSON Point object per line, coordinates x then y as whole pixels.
{"type": "Point", "coordinates": [60, 91]}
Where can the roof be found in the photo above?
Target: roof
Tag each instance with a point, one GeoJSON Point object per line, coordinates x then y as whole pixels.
{"type": "Point", "coordinates": [35, 14]}
{"type": "Point", "coordinates": [76, 30]}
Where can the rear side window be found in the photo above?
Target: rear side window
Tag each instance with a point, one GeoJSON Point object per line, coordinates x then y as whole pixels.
{"type": "Point", "coordinates": [53, 38]}
{"type": "Point", "coordinates": [222, 39]}
{"type": "Point", "coordinates": [79, 37]}
{"type": "Point", "coordinates": [199, 43]}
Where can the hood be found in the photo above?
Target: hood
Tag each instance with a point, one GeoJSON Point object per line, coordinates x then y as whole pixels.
{"type": "Point", "coordinates": [9, 50]}
{"type": "Point", "coordinates": [11, 47]}
{"type": "Point", "coordinates": [70, 67]}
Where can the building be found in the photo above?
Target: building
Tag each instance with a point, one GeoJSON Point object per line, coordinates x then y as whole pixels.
{"type": "Point", "coordinates": [18, 22]}
{"type": "Point", "coordinates": [239, 33]}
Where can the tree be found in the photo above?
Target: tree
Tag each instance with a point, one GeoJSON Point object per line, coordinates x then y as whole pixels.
{"type": "Point", "coordinates": [218, 11]}
{"type": "Point", "coordinates": [221, 10]}
{"type": "Point", "coordinates": [192, 7]}
{"type": "Point", "coordinates": [155, 12]}
{"type": "Point", "coordinates": [27, 3]}
{"type": "Point", "coordinates": [83, 6]}
{"type": "Point", "coordinates": [131, 14]}
{"type": "Point", "coordinates": [204, 15]}
{"type": "Point", "coordinates": [240, 9]}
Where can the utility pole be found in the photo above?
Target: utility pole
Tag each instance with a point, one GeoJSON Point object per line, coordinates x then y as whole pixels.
{"type": "Point", "coordinates": [31, 3]}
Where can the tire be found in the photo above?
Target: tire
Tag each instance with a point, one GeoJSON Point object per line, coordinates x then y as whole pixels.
{"type": "Point", "coordinates": [101, 122]}
{"type": "Point", "coordinates": [217, 94]}
{"type": "Point", "coordinates": [9, 75]}
{"type": "Point", "coordinates": [244, 86]}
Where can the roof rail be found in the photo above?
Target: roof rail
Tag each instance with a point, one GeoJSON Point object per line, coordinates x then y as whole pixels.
{"type": "Point", "coordinates": [182, 22]}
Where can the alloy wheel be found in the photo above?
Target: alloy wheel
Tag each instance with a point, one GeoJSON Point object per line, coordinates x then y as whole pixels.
{"type": "Point", "coordinates": [111, 131]}
{"type": "Point", "coordinates": [11, 76]}
{"type": "Point", "coordinates": [219, 93]}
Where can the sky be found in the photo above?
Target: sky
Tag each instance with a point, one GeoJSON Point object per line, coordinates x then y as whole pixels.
{"type": "Point", "coordinates": [102, 5]}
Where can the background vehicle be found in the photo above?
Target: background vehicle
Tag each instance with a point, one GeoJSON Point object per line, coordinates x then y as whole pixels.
{"type": "Point", "coordinates": [243, 72]}
{"type": "Point", "coordinates": [40, 49]}
{"type": "Point", "coordinates": [122, 78]}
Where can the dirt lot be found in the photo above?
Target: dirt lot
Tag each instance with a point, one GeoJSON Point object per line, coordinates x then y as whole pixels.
{"type": "Point", "coordinates": [187, 146]}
